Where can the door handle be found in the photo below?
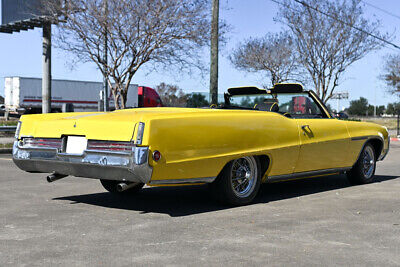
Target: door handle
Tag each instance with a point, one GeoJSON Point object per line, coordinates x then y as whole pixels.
{"type": "Point", "coordinates": [304, 127]}
{"type": "Point", "coordinates": [307, 131]}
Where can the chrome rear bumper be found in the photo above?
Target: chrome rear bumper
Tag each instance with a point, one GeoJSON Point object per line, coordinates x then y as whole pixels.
{"type": "Point", "coordinates": [121, 166]}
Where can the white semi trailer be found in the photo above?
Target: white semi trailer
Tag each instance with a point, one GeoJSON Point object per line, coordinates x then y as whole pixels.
{"type": "Point", "coordinates": [24, 95]}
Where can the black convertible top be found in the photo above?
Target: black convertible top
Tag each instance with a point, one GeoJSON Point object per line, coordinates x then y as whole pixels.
{"type": "Point", "coordinates": [278, 88]}
{"type": "Point", "coordinates": [246, 90]}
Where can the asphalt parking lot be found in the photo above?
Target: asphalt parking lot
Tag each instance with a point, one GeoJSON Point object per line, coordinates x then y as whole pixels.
{"type": "Point", "coordinates": [314, 222]}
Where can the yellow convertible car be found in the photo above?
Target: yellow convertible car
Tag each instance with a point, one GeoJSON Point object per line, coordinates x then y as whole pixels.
{"type": "Point", "coordinates": [256, 136]}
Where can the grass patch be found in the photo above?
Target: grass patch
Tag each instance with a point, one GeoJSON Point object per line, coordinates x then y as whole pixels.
{"type": "Point", "coordinates": [8, 123]}
{"type": "Point", "coordinates": [390, 123]}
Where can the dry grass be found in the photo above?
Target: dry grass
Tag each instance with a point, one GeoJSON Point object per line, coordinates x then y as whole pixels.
{"type": "Point", "coordinates": [6, 145]}
{"type": "Point", "coordinates": [390, 123]}
{"type": "Point", "coordinates": [11, 122]}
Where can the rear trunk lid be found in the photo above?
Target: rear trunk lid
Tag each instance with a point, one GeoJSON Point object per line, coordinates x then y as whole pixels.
{"type": "Point", "coordinates": [96, 126]}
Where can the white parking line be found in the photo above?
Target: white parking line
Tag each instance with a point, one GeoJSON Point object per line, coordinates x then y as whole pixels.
{"type": "Point", "coordinates": [4, 159]}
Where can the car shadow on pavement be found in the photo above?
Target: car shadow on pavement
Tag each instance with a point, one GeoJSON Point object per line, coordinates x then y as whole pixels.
{"type": "Point", "coordinates": [190, 200]}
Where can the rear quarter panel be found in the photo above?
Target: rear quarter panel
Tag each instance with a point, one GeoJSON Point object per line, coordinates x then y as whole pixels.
{"type": "Point", "coordinates": [198, 146]}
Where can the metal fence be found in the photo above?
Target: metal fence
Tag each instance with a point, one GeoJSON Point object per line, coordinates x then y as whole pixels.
{"type": "Point", "coordinates": [8, 129]}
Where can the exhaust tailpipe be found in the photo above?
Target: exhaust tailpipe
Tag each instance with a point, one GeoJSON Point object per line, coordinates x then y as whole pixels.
{"type": "Point", "coordinates": [124, 186]}
{"type": "Point", "coordinates": [54, 177]}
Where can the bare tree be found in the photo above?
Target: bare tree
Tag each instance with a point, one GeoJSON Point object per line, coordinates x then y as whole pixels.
{"type": "Point", "coordinates": [391, 74]}
{"type": "Point", "coordinates": [274, 55]}
{"type": "Point", "coordinates": [160, 33]}
{"type": "Point", "coordinates": [329, 36]}
{"type": "Point", "coordinates": [171, 95]}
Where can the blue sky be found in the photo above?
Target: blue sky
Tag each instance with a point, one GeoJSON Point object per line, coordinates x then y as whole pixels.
{"type": "Point", "coordinates": [20, 54]}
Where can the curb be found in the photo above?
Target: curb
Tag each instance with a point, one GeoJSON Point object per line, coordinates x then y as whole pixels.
{"type": "Point", "coordinates": [5, 150]}
{"type": "Point", "coordinates": [394, 139]}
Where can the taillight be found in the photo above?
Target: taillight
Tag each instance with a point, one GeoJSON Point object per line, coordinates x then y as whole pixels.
{"type": "Point", "coordinates": [42, 142]}
{"type": "Point", "coordinates": [156, 155]}
{"type": "Point", "coordinates": [113, 146]}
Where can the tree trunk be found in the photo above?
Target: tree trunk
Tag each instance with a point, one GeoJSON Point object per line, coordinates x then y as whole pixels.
{"type": "Point", "coordinates": [123, 94]}
{"type": "Point", "coordinates": [116, 97]}
{"type": "Point", "coordinates": [214, 53]}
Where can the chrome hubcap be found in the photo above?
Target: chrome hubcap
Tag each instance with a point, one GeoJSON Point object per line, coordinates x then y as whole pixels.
{"type": "Point", "coordinates": [368, 161]}
{"type": "Point", "coordinates": [243, 176]}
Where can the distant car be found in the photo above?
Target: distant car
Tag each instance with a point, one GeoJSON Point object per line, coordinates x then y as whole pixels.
{"type": "Point", "coordinates": [256, 136]}
{"type": "Point", "coordinates": [341, 115]}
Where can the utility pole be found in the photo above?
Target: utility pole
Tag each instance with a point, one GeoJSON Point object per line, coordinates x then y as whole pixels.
{"type": "Point", "coordinates": [46, 79]}
{"type": "Point", "coordinates": [214, 53]}
{"type": "Point", "coordinates": [375, 102]}
{"type": "Point", "coordinates": [398, 123]}
{"type": "Point", "coordinates": [105, 59]}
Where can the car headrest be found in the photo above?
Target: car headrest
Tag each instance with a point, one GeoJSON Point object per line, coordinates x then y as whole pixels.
{"type": "Point", "coordinates": [268, 107]}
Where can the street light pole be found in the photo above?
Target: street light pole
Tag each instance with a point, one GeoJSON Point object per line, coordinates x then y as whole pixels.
{"type": "Point", "coordinates": [105, 60]}
{"type": "Point", "coordinates": [339, 96]}
{"type": "Point", "coordinates": [398, 123]}
{"type": "Point", "coordinates": [214, 53]}
{"type": "Point", "coordinates": [338, 105]}
{"type": "Point", "coordinates": [375, 102]}
{"type": "Point", "coordinates": [46, 64]}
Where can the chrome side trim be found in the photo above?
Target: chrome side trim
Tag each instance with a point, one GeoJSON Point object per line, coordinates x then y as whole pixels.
{"type": "Point", "coordinates": [183, 181]}
{"type": "Point", "coordinates": [359, 138]}
{"type": "Point", "coordinates": [299, 175]}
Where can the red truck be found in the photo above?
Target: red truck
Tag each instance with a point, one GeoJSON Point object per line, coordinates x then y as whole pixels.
{"type": "Point", "coordinates": [148, 97]}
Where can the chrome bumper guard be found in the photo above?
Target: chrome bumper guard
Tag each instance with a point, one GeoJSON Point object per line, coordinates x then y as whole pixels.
{"type": "Point", "coordinates": [120, 166]}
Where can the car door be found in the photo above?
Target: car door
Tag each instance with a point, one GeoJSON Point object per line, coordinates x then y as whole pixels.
{"type": "Point", "coordinates": [324, 141]}
{"type": "Point", "coordinates": [324, 144]}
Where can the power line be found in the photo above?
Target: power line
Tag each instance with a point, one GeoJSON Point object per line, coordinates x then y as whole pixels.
{"type": "Point", "coordinates": [339, 20]}
{"type": "Point", "coordinates": [381, 9]}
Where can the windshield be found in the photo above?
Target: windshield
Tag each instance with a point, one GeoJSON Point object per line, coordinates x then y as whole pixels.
{"type": "Point", "coordinates": [299, 105]}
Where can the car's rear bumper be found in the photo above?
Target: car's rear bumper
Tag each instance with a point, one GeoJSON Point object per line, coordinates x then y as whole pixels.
{"type": "Point", "coordinates": [132, 167]}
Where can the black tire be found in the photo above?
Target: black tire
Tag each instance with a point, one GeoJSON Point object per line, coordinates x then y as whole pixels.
{"type": "Point", "coordinates": [111, 186]}
{"type": "Point", "coordinates": [364, 170]}
{"type": "Point", "coordinates": [227, 188]}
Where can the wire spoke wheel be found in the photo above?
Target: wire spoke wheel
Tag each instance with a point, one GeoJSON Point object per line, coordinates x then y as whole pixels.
{"type": "Point", "coordinates": [368, 162]}
{"type": "Point", "coordinates": [243, 176]}
{"type": "Point", "coordinates": [363, 170]}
